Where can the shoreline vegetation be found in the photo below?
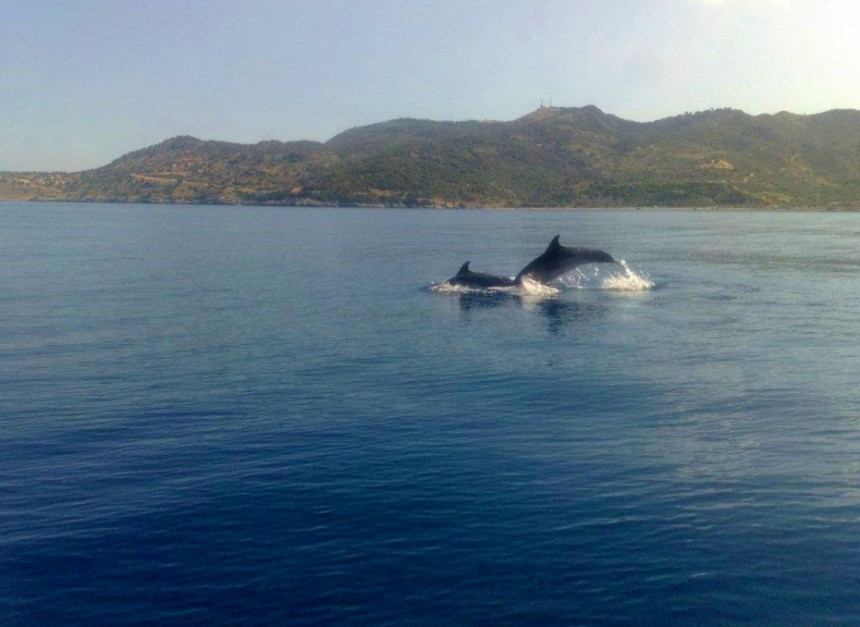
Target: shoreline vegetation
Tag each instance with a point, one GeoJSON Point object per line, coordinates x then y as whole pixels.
{"type": "Point", "coordinates": [552, 158]}
{"type": "Point", "coordinates": [653, 208]}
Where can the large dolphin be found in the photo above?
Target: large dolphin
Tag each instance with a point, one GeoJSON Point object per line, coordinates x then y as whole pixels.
{"type": "Point", "coordinates": [555, 261]}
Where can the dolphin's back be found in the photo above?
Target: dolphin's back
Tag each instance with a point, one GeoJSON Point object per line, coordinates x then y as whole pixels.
{"type": "Point", "coordinates": [479, 280]}
{"type": "Point", "coordinates": [557, 260]}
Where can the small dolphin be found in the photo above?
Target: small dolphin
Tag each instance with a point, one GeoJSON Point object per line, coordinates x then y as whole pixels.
{"type": "Point", "coordinates": [467, 278]}
{"type": "Point", "coordinates": [555, 261]}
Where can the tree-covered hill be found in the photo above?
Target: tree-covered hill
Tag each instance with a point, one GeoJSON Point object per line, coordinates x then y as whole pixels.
{"type": "Point", "coordinates": [550, 157]}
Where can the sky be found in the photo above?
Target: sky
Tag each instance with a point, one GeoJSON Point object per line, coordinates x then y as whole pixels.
{"type": "Point", "coordinates": [84, 81]}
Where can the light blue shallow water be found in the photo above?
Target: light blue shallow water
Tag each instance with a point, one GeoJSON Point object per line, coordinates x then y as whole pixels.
{"type": "Point", "coordinates": [263, 416]}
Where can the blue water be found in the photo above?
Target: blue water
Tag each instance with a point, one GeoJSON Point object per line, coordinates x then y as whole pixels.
{"type": "Point", "coordinates": [257, 416]}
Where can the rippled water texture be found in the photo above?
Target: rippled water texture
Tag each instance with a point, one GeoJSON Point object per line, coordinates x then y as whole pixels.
{"type": "Point", "coordinates": [266, 416]}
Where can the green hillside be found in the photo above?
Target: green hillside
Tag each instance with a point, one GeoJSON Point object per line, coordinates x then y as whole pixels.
{"type": "Point", "coordinates": [551, 157]}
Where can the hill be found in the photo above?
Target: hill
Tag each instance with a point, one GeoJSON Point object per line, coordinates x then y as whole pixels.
{"type": "Point", "coordinates": [550, 157]}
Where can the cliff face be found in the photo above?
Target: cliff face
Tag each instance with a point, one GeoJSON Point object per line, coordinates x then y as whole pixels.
{"type": "Point", "coordinates": [550, 157]}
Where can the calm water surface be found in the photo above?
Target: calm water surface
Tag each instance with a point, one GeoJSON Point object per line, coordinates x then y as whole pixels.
{"type": "Point", "coordinates": [249, 416]}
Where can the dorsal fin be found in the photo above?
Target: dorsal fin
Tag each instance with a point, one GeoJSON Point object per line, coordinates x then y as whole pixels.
{"type": "Point", "coordinates": [553, 244]}
{"type": "Point", "coordinates": [464, 269]}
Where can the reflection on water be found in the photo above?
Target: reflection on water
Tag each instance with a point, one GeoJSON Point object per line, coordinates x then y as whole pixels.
{"type": "Point", "coordinates": [559, 312]}
{"type": "Point", "coordinates": [563, 313]}
{"type": "Point", "coordinates": [472, 301]}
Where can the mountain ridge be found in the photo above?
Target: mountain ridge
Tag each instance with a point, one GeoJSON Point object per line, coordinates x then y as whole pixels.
{"type": "Point", "coordinates": [550, 157]}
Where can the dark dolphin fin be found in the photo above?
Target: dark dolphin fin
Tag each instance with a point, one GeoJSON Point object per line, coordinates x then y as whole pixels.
{"type": "Point", "coordinates": [464, 269]}
{"type": "Point", "coordinates": [535, 268]}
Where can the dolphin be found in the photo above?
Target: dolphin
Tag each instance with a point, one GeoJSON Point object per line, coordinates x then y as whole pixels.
{"type": "Point", "coordinates": [555, 261]}
{"type": "Point", "coordinates": [467, 278]}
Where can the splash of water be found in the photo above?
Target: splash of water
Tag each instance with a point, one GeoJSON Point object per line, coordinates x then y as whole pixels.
{"type": "Point", "coordinates": [594, 277]}
{"type": "Point", "coordinates": [527, 288]}
{"type": "Point", "coordinates": [627, 280]}
{"type": "Point", "coordinates": [536, 289]}
{"type": "Point", "coordinates": [443, 287]}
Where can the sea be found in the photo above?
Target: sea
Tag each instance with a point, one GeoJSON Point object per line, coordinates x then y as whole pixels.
{"type": "Point", "coordinates": [276, 416]}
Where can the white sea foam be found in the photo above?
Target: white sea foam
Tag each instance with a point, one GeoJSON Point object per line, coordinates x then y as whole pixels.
{"type": "Point", "coordinates": [595, 277]}
{"type": "Point", "coordinates": [536, 289]}
{"type": "Point", "coordinates": [443, 287]}
{"type": "Point", "coordinates": [627, 280]}
{"type": "Point", "coordinates": [527, 289]}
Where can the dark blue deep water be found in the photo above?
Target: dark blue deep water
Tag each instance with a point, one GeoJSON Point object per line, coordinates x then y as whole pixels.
{"type": "Point", "coordinates": [258, 416]}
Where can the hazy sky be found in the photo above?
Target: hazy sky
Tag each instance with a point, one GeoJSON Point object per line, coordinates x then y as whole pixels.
{"type": "Point", "coordinates": [84, 81]}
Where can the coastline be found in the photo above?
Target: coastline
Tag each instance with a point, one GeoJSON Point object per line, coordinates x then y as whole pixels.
{"type": "Point", "coordinates": [450, 207]}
